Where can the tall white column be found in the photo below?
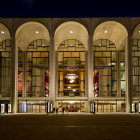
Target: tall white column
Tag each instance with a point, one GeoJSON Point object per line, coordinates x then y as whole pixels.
{"type": "Point", "coordinates": [128, 70]}
{"type": "Point", "coordinates": [52, 70]}
{"type": "Point", "coordinates": [90, 69]}
{"type": "Point", "coordinates": [14, 74]}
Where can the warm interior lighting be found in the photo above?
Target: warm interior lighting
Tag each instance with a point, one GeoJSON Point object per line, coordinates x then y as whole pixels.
{"type": "Point", "coordinates": [71, 32]}
{"type": "Point", "coordinates": [122, 64]}
{"type": "Point", "coordinates": [71, 81]}
{"type": "Point", "coordinates": [71, 76]}
{"type": "Point", "coordinates": [105, 31]}
{"type": "Point", "coordinates": [71, 102]}
{"type": "Point", "coordinates": [2, 32]}
{"type": "Point", "coordinates": [37, 32]}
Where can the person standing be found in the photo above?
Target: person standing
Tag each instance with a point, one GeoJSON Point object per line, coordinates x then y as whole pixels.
{"type": "Point", "coordinates": [67, 109]}
{"type": "Point", "coordinates": [56, 110]}
{"type": "Point", "coordinates": [63, 110]}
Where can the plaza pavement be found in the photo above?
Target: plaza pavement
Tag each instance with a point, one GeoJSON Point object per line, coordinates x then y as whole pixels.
{"type": "Point", "coordinates": [85, 126]}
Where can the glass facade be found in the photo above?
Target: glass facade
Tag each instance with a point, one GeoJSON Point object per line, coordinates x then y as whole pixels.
{"type": "Point", "coordinates": [110, 105]}
{"type": "Point", "coordinates": [5, 68]}
{"type": "Point", "coordinates": [71, 69]}
{"type": "Point", "coordinates": [71, 106]}
{"type": "Point", "coordinates": [136, 67]}
{"type": "Point", "coordinates": [108, 69]}
{"type": "Point", "coordinates": [108, 75]}
{"type": "Point", "coordinates": [33, 70]}
{"type": "Point", "coordinates": [32, 106]}
{"type": "Point", "coordinates": [68, 65]}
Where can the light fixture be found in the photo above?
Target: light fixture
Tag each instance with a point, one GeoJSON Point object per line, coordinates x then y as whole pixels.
{"type": "Point", "coordinates": [71, 81]}
{"type": "Point", "coordinates": [43, 45]}
{"type": "Point", "coordinates": [71, 32]}
{"type": "Point", "coordinates": [122, 64]}
{"type": "Point", "coordinates": [71, 69]}
{"type": "Point", "coordinates": [71, 102]}
{"type": "Point", "coordinates": [37, 32]}
{"type": "Point", "coordinates": [2, 32]}
{"type": "Point", "coordinates": [105, 31]}
{"type": "Point", "coordinates": [74, 89]}
{"type": "Point", "coordinates": [113, 64]}
{"type": "Point", "coordinates": [71, 76]}
{"type": "Point", "coordinates": [139, 31]}
{"type": "Point", "coordinates": [68, 87]}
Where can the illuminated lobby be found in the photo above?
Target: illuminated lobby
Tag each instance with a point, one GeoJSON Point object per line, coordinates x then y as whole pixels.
{"type": "Point", "coordinates": [84, 65]}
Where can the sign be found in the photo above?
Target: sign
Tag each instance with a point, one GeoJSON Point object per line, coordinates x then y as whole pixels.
{"type": "Point", "coordinates": [139, 107]}
{"type": "Point", "coordinates": [2, 108]}
{"type": "Point", "coordinates": [134, 107]}
{"type": "Point", "coordinates": [9, 108]}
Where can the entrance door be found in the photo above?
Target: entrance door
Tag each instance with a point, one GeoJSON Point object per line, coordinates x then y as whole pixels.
{"type": "Point", "coordinates": [71, 106]}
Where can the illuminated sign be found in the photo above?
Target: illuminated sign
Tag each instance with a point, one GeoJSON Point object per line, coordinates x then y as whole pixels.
{"type": "Point", "coordinates": [2, 108]}
{"type": "Point", "coordinates": [139, 107]}
{"type": "Point", "coordinates": [133, 107]}
{"type": "Point", "coordinates": [48, 107]}
{"type": "Point", "coordinates": [9, 108]}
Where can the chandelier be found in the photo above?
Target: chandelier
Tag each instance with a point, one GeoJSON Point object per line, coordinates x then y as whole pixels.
{"type": "Point", "coordinates": [71, 76]}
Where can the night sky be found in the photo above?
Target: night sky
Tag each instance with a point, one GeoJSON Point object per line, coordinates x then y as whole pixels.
{"type": "Point", "coordinates": [73, 8]}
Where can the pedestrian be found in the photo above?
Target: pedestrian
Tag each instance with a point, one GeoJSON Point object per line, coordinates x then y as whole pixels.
{"type": "Point", "coordinates": [67, 109]}
{"type": "Point", "coordinates": [63, 110]}
{"type": "Point", "coordinates": [56, 110]}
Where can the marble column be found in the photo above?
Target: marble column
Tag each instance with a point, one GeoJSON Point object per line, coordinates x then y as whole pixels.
{"type": "Point", "coordinates": [128, 70]}
{"type": "Point", "coordinates": [14, 74]}
{"type": "Point", "coordinates": [52, 70]}
{"type": "Point", "coordinates": [90, 69]}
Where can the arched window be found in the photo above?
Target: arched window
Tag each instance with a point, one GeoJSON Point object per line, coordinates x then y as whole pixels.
{"type": "Point", "coordinates": [33, 74]}
{"type": "Point", "coordinates": [5, 68]}
{"type": "Point", "coordinates": [136, 66]}
{"type": "Point", "coordinates": [71, 69]}
{"type": "Point", "coordinates": [108, 76]}
{"type": "Point", "coordinates": [109, 69]}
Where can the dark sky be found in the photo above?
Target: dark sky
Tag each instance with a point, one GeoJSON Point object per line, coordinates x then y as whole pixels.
{"type": "Point", "coordinates": [73, 8]}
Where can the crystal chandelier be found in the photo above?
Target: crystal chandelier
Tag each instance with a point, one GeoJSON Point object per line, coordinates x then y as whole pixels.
{"type": "Point", "coordinates": [71, 76]}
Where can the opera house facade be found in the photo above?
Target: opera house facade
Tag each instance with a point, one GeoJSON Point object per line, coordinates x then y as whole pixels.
{"type": "Point", "coordinates": [79, 64]}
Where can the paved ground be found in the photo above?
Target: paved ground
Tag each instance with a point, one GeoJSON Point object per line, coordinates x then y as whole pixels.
{"type": "Point", "coordinates": [70, 127]}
